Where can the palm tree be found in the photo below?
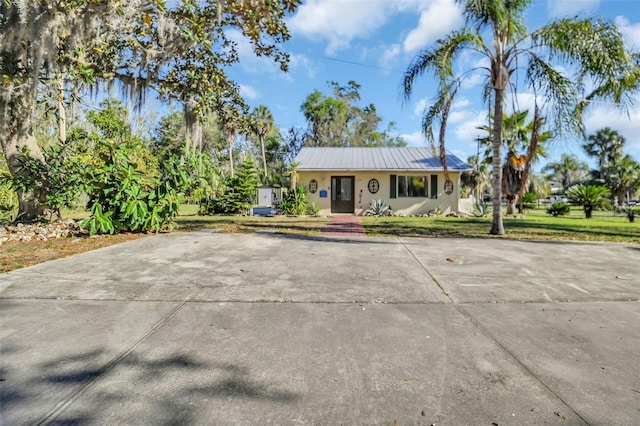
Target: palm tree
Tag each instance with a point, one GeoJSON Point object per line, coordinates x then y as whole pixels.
{"type": "Point", "coordinates": [568, 170]}
{"type": "Point", "coordinates": [262, 122]}
{"type": "Point", "coordinates": [589, 197]}
{"type": "Point", "coordinates": [606, 145]}
{"type": "Point", "coordinates": [524, 143]}
{"type": "Point", "coordinates": [495, 30]}
{"type": "Point", "coordinates": [622, 177]}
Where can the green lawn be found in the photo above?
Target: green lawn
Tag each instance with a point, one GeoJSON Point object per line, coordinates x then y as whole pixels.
{"type": "Point", "coordinates": [531, 226]}
{"type": "Point", "coordinates": [535, 225]}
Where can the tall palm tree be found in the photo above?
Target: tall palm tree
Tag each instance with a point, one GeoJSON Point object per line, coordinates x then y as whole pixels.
{"type": "Point", "coordinates": [524, 142]}
{"type": "Point", "coordinates": [262, 123]}
{"type": "Point", "coordinates": [568, 170]}
{"type": "Point", "coordinates": [606, 145]}
{"type": "Point", "coordinates": [495, 30]}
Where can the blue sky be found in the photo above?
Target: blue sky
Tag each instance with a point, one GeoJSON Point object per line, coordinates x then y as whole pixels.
{"type": "Point", "coordinates": [373, 41]}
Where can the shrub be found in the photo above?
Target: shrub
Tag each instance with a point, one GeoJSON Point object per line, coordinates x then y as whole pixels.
{"type": "Point", "coordinates": [54, 184]}
{"type": "Point", "coordinates": [238, 196]}
{"type": "Point", "coordinates": [482, 208]}
{"type": "Point", "coordinates": [558, 209]}
{"type": "Point", "coordinates": [294, 202]}
{"type": "Point", "coordinates": [378, 208]}
{"type": "Point", "coordinates": [631, 212]}
{"type": "Point", "coordinates": [313, 209]}
{"type": "Point", "coordinates": [529, 200]}
{"type": "Point", "coordinates": [122, 198]}
{"type": "Point", "coordinates": [590, 197]}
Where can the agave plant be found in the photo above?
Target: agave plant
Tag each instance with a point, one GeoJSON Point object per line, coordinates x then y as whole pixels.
{"type": "Point", "coordinates": [378, 208]}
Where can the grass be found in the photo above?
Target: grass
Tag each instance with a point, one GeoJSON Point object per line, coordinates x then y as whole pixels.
{"type": "Point", "coordinates": [534, 225]}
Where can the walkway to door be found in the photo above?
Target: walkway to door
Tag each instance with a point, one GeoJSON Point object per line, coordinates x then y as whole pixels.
{"type": "Point", "coordinates": [345, 226]}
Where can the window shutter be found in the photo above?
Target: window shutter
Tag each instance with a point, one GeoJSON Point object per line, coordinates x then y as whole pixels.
{"type": "Point", "coordinates": [394, 187]}
{"type": "Point", "coordinates": [434, 186]}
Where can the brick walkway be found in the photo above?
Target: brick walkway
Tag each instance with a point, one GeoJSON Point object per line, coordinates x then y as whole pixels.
{"type": "Point", "coordinates": [345, 226]}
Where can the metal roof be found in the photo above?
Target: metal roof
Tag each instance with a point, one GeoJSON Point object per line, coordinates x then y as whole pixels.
{"type": "Point", "coordinates": [370, 159]}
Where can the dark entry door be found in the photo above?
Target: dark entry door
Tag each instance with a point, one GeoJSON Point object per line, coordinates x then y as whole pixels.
{"type": "Point", "coordinates": [342, 188]}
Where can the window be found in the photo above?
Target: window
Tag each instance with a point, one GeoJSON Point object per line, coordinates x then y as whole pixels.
{"type": "Point", "coordinates": [412, 186]}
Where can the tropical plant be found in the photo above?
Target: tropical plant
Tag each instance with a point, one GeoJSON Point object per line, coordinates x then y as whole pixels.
{"type": "Point", "coordinates": [261, 123]}
{"type": "Point", "coordinates": [55, 183]}
{"type": "Point", "coordinates": [606, 145]}
{"type": "Point", "coordinates": [122, 198]}
{"type": "Point", "coordinates": [590, 197]}
{"type": "Point", "coordinates": [378, 208]}
{"type": "Point", "coordinates": [495, 30]}
{"type": "Point", "coordinates": [529, 200]}
{"type": "Point", "coordinates": [622, 177]}
{"type": "Point", "coordinates": [294, 202]}
{"type": "Point", "coordinates": [181, 49]}
{"type": "Point", "coordinates": [559, 209]}
{"type": "Point", "coordinates": [481, 208]}
{"type": "Point", "coordinates": [568, 170]}
{"type": "Point", "coordinates": [631, 212]}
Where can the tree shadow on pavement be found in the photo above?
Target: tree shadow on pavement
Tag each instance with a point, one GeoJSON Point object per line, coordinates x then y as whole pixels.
{"type": "Point", "coordinates": [171, 389]}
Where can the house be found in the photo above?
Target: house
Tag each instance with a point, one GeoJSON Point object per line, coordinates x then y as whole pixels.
{"type": "Point", "coordinates": [410, 180]}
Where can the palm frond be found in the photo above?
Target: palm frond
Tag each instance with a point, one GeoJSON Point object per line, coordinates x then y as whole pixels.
{"type": "Point", "coordinates": [596, 47]}
{"type": "Point", "coordinates": [439, 59]}
{"type": "Point", "coordinates": [559, 93]}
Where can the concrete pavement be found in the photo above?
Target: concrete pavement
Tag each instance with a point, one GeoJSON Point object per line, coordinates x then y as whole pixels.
{"type": "Point", "coordinates": [207, 328]}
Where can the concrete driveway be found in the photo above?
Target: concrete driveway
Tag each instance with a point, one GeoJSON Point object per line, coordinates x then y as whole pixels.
{"type": "Point", "coordinates": [206, 328]}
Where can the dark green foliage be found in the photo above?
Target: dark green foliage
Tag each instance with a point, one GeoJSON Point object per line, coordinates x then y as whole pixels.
{"type": "Point", "coordinates": [122, 198]}
{"type": "Point", "coordinates": [590, 197]}
{"type": "Point", "coordinates": [558, 209]}
{"type": "Point", "coordinates": [294, 201]}
{"type": "Point", "coordinates": [631, 212]}
{"type": "Point", "coordinates": [239, 194]}
{"type": "Point", "coordinates": [54, 184]}
{"type": "Point", "coordinates": [529, 200]}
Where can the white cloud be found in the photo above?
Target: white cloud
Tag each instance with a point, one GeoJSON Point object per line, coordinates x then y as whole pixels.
{"type": "Point", "coordinates": [249, 92]}
{"type": "Point", "coordinates": [558, 8]}
{"type": "Point", "coordinates": [608, 115]}
{"type": "Point", "coordinates": [420, 106]}
{"type": "Point", "coordinates": [459, 116]}
{"type": "Point", "coordinates": [468, 131]}
{"type": "Point", "coordinates": [438, 18]}
{"type": "Point", "coordinates": [339, 22]}
{"type": "Point", "coordinates": [461, 102]}
{"type": "Point", "coordinates": [414, 139]}
{"type": "Point", "coordinates": [631, 32]}
{"type": "Point", "coordinates": [389, 54]}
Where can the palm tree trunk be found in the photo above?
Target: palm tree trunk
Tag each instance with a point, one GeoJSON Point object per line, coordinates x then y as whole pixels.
{"type": "Point", "coordinates": [497, 227]}
{"type": "Point", "coordinates": [264, 159]}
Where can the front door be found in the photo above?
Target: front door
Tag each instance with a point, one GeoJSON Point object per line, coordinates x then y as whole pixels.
{"type": "Point", "coordinates": [342, 188]}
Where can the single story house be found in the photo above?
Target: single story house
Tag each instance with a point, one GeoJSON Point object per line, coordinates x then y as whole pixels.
{"type": "Point", "coordinates": [410, 180]}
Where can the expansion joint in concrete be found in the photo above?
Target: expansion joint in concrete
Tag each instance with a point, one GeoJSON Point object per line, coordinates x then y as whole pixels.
{"type": "Point", "coordinates": [425, 269]}
{"type": "Point", "coordinates": [62, 405]}
{"type": "Point", "coordinates": [522, 365]}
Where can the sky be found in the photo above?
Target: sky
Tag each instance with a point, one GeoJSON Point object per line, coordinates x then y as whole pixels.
{"type": "Point", "coordinates": [373, 41]}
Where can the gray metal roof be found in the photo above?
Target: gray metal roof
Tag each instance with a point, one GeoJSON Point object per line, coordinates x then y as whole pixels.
{"type": "Point", "coordinates": [375, 159]}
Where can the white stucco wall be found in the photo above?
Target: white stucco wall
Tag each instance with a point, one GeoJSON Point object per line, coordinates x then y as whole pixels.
{"type": "Point", "coordinates": [400, 205]}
